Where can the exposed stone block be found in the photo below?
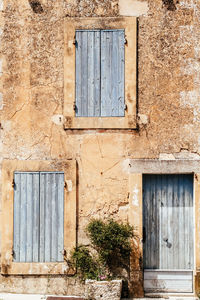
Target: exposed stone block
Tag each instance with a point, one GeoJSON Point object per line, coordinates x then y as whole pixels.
{"type": "Point", "coordinates": [133, 8]}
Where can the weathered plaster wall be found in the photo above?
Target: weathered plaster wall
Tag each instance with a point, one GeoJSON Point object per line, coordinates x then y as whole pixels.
{"type": "Point", "coordinates": [32, 98]}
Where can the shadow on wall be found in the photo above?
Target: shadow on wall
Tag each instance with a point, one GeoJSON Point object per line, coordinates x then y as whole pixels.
{"type": "Point", "coordinates": [36, 6]}
{"type": "Point", "coordinates": [169, 4]}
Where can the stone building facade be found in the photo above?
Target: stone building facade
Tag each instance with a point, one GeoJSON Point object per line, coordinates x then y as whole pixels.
{"type": "Point", "coordinates": [104, 166]}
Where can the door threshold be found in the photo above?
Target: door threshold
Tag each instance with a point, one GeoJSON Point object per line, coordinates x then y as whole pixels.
{"type": "Point", "coordinates": [171, 295]}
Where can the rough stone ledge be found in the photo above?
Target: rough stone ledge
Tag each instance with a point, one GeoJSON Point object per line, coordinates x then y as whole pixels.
{"type": "Point", "coordinates": [36, 297]}
{"type": "Point", "coordinates": [148, 166]}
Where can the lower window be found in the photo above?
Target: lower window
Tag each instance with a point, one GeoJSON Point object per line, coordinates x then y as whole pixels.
{"type": "Point", "coordinates": [38, 233]}
{"type": "Point", "coordinates": [38, 219]}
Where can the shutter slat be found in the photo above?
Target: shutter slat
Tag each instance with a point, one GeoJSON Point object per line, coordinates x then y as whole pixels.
{"type": "Point", "coordinates": [94, 74]}
{"type": "Point", "coordinates": [112, 73]}
{"type": "Point", "coordinates": [78, 73]}
{"type": "Point", "coordinates": [30, 229]}
{"type": "Point", "coordinates": [23, 220]}
{"type": "Point", "coordinates": [36, 221]}
{"type": "Point", "coordinates": [17, 214]}
{"type": "Point", "coordinates": [42, 218]}
{"type": "Point", "coordinates": [87, 73]}
{"type": "Point", "coordinates": [54, 225]}
{"type": "Point", "coordinates": [48, 210]}
{"type": "Point", "coordinates": [60, 216]}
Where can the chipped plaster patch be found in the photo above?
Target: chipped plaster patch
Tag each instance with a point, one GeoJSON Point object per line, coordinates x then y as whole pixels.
{"type": "Point", "coordinates": [1, 4]}
{"type": "Point", "coordinates": [69, 185]}
{"type": "Point", "coordinates": [166, 156]}
{"type": "Point", "coordinates": [191, 99]}
{"type": "Point", "coordinates": [126, 166]}
{"type": "Point", "coordinates": [1, 101]}
{"type": "Point", "coordinates": [125, 207]}
{"type": "Point", "coordinates": [143, 119]}
{"type": "Point", "coordinates": [185, 154]}
{"type": "Point", "coordinates": [135, 200]}
{"type": "Point", "coordinates": [57, 119]}
{"type": "Point", "coordinates": [1, 67]}
{"type": "Point", "coordinates": [133, 8]}
{"type": "Point", "coordinates": [190, 66]}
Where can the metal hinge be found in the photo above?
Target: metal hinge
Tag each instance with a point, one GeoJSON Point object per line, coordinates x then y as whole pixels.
{"type": "Point", "coordinates": [125, 41]}
{"type": "Point", "coordinates": [75, 42]}
{"type": "Point", "coordinates": [75, 107]}
{"type": "Point", "coordinates": [125, 107]}
{"type": "Point", "coordinates": [13, 183]}
{"type": "Point", "coordinates": [64, 252]}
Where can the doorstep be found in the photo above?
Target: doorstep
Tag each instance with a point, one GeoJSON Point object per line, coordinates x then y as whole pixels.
{"type": "Point", "coordinates": [164, 297]}
{"type": "Point", "coordinates": [36, 297]}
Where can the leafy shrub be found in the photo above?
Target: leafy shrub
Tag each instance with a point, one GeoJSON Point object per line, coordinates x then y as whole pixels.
{"type": "Point", "coordinates": [111, 241]}
{"type": "Point", "coordinates": [84, 262]}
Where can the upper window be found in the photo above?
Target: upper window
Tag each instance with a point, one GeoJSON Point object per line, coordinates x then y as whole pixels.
{"type": "Point", "coordinates": [100, 73]}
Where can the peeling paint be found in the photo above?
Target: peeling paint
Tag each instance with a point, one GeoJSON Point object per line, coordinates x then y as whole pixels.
{"type": "Point", "coordinates": [135, 200]}
{"type": "Point", "coordinates": [133, 8]}
{"type": "Point", "coordinates": [166, 156]}
{"type": "Point", "coordinates": [57, 119]}
{"type": "Point", "coordinates": [69, 185]}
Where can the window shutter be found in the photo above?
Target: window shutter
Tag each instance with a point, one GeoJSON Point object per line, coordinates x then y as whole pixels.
{"type": "Point", "coordinates": [38, 216]}
{"type": "Point", "coordinates": [51, 216]}
{"type": "Point", "coordinates": [88, 73]}
{"type": "Point", "coordinates": [26, 217]}
{"type": "Point", "coordinates": [112, 73]}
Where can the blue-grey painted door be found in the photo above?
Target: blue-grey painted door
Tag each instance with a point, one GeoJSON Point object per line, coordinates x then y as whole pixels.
{"type": "Point", "coordinates": [38, 216]}
{"type": "Point", "coordinates": [168, 225]}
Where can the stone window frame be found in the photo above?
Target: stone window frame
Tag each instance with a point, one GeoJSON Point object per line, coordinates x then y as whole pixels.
{"type": "Point", "coordinates": [129, 24]}
{"type": "Point", "coordinates": [38, 268]}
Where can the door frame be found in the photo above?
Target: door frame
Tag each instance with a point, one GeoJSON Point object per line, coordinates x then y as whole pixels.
{"type": "Point", "coordinates": [174, 271]}
{"type": "Point", "coordinates": [136, 170]}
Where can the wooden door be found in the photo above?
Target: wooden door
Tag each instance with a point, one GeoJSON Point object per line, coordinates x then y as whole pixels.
{"type": "Point", "coordinates": [168, 233]}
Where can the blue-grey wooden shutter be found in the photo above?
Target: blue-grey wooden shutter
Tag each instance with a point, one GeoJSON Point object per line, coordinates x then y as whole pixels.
{"type": "Point", "coordinates": [51, 216]}
{"type": "Point", "coordinates": [26, 217]}
{"type": "Point", "coordinates": [87, 73]}
{"type": "Point", "coordinates": [38, 216]}
{"type": "Point", "coordinates": [112, 73]}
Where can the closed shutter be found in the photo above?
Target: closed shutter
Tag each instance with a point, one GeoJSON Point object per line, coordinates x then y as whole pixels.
{"type": "Point", "coordinates": [38, 216]}
{"type": "Point", "coordinates": [88, 73]}
{"type": "Point", "coordinates": [100, 73]}
{"type": "Point", "coordinates": [26, 217]}
{"type": "Point", "coordinates": [51, 216]}
{"type": "Point", "coordinates": [112, 73]}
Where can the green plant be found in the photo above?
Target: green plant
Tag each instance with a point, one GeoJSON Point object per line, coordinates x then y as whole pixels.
{"type": "Point", "coordinates": [112, 241]}
{"type": "Point", "coordinates": [110, 245]}
{"type": "Point", "coordinates": [85, 263]}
